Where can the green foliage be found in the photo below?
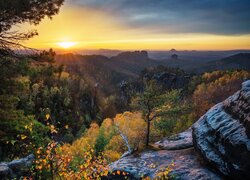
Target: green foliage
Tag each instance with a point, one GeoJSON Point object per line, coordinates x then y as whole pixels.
{"type": "Point", "coordinates": [19, 134]}
{"type": "Point", "coordinates": [173, 112]}
{"type": "Point", "coordinates": [149, 102]}
{"type": "Point", "coordinates": [101, 141]}
{"type": "Point", "coordinates": [40, 94]}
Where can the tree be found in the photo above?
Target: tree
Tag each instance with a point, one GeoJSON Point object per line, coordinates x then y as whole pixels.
{"type": "Point", "coordinates": [150, 103]}
{"type": "Point", "coordinates": [19, 133]}
{"type": "Point", "coordinates": [13, 12]}
{"type": "Point", "coordinates": [216, 87]}
{"type": "Point", "coordinates": [175, 111]}
{"type": "Point", "coordinates": [101, 142]}
{"type": "Point", "coordinates": [131, 128]}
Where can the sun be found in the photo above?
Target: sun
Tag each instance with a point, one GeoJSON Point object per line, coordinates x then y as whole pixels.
{"type": "Point", "coordinates": [66, 44]}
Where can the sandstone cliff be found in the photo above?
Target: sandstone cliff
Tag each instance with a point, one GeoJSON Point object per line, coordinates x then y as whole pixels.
{"type": "Point", "coordinates": [217, 146]}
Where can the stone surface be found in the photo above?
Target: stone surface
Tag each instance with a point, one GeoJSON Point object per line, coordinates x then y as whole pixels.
{"type": "Point", "coordinates": [180, 141]}
{"type": "Point", "coordinates": [16, 168]}
{"type": "Point", "coordinates": [222, 135]}
{"type": "Point", "coordinates": [186, 165]}
{"type": "Point", "coordinates": [176, 148]}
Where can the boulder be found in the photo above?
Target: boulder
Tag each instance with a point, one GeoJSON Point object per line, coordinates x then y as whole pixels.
{"type": "Point", "coordinates": [16, 168]}
{"type": "Point", "coordinates": [182, 140]}
{"type": "Point", "coordinates": [222, 135]}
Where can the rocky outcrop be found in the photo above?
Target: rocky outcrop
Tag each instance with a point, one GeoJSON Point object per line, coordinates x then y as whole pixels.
{"type": "Point", "coordinates": [187, 165]}
{"type": "Point", "coordinates": [222, 135]}
{"type": "Point", "coordinates": [177, 149]}
{"type": "Point", "coordinates": [16, 168]}
{"type": "Point", "coordinates": [180, 141]}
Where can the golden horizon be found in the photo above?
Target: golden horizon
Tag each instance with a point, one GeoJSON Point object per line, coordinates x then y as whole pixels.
{"type": "Point", "coordinates": [101, 30]}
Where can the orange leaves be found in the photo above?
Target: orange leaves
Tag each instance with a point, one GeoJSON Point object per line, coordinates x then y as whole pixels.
{"type": "Point", "coordinates": [165, 173]}
{"type": "Point", "coordinates": [118, 172]}
{"type": "Point", "coordinates": [216, 87]}
{"type": "Point", "coordinates": [68, 164]}
{"type": "Point", "coordinates": [38, 151]}
{"type": "Point", "coordinates": [45, 156]}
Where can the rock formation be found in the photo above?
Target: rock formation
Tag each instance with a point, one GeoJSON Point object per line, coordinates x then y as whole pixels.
{"type": "Point", "coordinates": [16, 168]}
{"type": "Point", "coordinates": [149, 163]}
{"type": "Point", "coordinates": [180, 141]}
{"type": "Point", "coordinates": [222, 135]}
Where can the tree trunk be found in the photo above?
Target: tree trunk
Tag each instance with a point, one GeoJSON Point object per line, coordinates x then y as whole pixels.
{"type": "Point", "coordinates": [148, 132]}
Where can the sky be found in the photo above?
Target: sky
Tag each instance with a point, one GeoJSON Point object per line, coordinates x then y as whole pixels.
{"type": "Point", "coordinates": [147, 24]}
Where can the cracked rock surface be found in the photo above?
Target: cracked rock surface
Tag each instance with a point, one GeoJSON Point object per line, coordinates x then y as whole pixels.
{"type": "Point", "coordinates": [216, 147]}
{"type": "Point", "coordinates": [222, 135]}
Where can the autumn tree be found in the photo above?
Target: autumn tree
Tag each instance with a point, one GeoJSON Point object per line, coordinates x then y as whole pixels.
{"type": "Point", "coordinates": [216, 87]}
{"type": "Point", "coordinates": [14, 12]}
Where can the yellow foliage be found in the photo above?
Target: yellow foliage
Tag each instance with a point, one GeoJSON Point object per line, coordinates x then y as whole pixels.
{"type": "Point", "coordinates": [64, 75]}
{"type": "Point", "coordinates": [47, 116]}
{"type": "Point", "coordinates": [108, 125]}
{"type": "Point", "coordinates": [85, 143]}
{"type": "Point", "coordinates": [67, 165]}
{"type": "Point", "coordinates": [111, 155]}
{"type": "Point", "coordinates": [216, 87]}
{"type": "Point", "coordinates": [23, 136]}
{"type": "Point", "coordinates": [132, 126]}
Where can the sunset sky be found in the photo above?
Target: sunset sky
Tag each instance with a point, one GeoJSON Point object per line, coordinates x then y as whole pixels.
{"type": "Point", "coordinates": [147, 24]}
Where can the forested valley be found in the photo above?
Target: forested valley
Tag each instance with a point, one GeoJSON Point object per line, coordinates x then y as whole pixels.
{"type": "Point", "coordinates": [74, 124]}
{"type": "Point", "coordinates": [66, 115]}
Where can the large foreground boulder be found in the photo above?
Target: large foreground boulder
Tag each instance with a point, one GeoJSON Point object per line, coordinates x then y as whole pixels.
{"type": "Point", "coordinates": [222, 135]}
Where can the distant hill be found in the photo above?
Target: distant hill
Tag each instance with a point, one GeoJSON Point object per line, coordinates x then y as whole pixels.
{"type": "Point", "coordinates": [241, 59]}
{"type": "Point", "coordinates": [126, 63]}
{"type": "Point", "coordinates": [108, 72]}
{"type": "Point", "coordinates": [204, 56]}
{"type": "Point", "coordinates": [237, 61]}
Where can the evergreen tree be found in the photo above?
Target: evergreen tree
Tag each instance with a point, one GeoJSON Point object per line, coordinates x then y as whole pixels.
{"type": "Point", "coordinates": [13, 12]}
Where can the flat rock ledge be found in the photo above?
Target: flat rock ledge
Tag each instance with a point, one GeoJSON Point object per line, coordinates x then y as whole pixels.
{"type": "Point", "coordinates": [176, 142]}
{"type": "Point", "coordinates": [187, 166]}
{"type": "Point", "coordinates": [178, 149]}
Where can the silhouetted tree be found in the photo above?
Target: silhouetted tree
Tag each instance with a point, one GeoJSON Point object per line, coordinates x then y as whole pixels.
{"type": "Point", "coordinates": [13, 12]}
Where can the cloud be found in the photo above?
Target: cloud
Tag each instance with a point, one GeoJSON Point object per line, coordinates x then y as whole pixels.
{"type": "Point", "coordinates": [178, 16]}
